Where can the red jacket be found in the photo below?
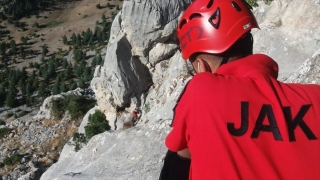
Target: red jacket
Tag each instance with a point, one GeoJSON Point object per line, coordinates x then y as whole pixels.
{"type": "Point", "coordinates": [241, 123]}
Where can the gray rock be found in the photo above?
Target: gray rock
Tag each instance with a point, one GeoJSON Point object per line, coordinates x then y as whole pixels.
{"type": "Point", "coordinates": [308, 72]}
{"type": "Point", "coordinates": [135, 153]}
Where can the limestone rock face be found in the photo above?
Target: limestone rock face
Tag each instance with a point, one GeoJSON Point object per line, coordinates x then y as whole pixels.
{"type": "Point", "coordinates": [289, 32]}
{"type": "Point", "coordinates": [142, 46]}
{"type": "Point", "coordinates": [116, 155]}
{"type": "Point", "coordinates": [308, 72]}
{"type": "Point", "coordinates": [45, 111]}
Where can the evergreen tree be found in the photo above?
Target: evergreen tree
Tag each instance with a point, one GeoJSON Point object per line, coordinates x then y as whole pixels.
{"type": "Point", "coordinates": [51, 71]}
{"type": "Point", "coordinates": [65, 64]}
{"type": "Point", "coordinates": [2, 94]}
{"type": "Point", "coordinates": [56, 87]}
{"type": "Point", "coordinates": [24, 40]}
{"type": "Point", "coordinates": [64, 40]}
{"type": "Point", "coordinates": [72, 85]}
{"type": "Point", "coordinates": [68, 73]}
{"type": "Point", "coordinates": [45, 50]}
{"type": "Point", "coordinates": [78, 55]}
{"type": "Point", "coordinates": [97, 124]}
{"type": "Point", "coordinates": [13, 46]}
{"type": "Point", "coordinates": [81, 83]}
{"type": "Point", "coordinates": [43, 92]}
{"type": "Point", "coordinates": [35, 83]}
{"type": "Point", "coordinates": [94, 61]}
{"type": "Point", "coordinates": [10, 98]}
{"type": "Point", "coordinates": [63, 87]}
{"type": "Point", "coordinates": [87, 74]}
{"type": "Point", "coordinates": [76, 70]}
{"type": "Point", "coordinates": [2, 48]}
{"type": "Point", "coordinates": [78, 40]}
{"type": "Point", "coordinates": [28, 90]}
{"type": "Point", "coordinates": [73, 39]}
{"type": "Point", "coordinates": [23, 74]}
{"type": "Point", "coordinates": [22, 53]}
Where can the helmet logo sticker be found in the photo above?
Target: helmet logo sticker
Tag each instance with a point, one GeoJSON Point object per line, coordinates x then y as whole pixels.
{"type": "Point", "coordinates": [193, 33]}
{"type": "Point", "coordinates": [247, 26]}
{"type": "Point", "coordinates": [214, 20]}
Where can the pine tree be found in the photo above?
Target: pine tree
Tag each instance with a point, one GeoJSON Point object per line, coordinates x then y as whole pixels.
{"type": "Point", "coordinates": [13, 46]}
{"type": "Point", "coordinates": [45, 50]}
{"type": "Point", "coordinates": [2, 94]}
{"type": "Point", "coordinates": [63, 87]}
{"type": "Point", "coordinates": [64, 63]}
{"type": "Point", "coordinates": [81, 83]}
{"type": "Point", "coordinates": [78, 40]}
{"type": "Point", "coordinates": [73, 39]}
{"type": "Point", "coordinates": [68, 72]}
{"type": "Point", "coordinates": [87, 74]}
{"type": "Point", "coordinates": [97, 124]}
{"type": "Point", "coordinates": [72, 85]}
{"type": "Point", "coordinates": [10, 98]}
{"type": "Point", "coordinates": [24, 40]}
{"type": "Point", "coordinates": [22, 53]}
{"type": "Point", "coordinates": [56, 86]}
{"type": "Point", "coordinates": [2, 48]}
{"type": "Point", "coordinates": [64, 40]}
{"type": "Point", "coordinates": [51, 69]}
{"type": "Point", "coordinates": [43, 92]}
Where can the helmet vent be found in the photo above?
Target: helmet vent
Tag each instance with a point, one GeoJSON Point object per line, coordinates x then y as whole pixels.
{"type": "Point", "coordinates": [236, 6]}
{"type": "Point", "coordinates": [195, 15]}
{"type": "Point", "coordinates": [183, 22]}
{"type": "Point", "coordinates": [210, 4]}
{"type": "Point", "coordinates": [214, 20]}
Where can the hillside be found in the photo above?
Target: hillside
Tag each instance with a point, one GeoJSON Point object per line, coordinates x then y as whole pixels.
{"type": "Point", "coordinates": [36, 62]}
{"type": "Point", "coordinates": [45, 43]}
{"type": "Point", "coordinates": [66, 17]}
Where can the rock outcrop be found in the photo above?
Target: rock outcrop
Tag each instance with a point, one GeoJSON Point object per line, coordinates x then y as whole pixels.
{"type": "Point", "coordinates": [143, 70]}
{"type": "Point", "coordinates": [38, 139]}
{"type": "Point", "coordinates": [141, 64]}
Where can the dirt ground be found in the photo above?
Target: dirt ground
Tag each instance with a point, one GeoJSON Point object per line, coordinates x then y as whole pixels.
{"type": "Point", "coordinates": [74, 17]}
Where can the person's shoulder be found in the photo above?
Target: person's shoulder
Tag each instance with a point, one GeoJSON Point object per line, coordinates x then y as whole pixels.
{"type": "Point", "coordinates": [304, 90]}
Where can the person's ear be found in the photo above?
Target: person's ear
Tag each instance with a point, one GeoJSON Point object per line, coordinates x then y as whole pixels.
{"type": "Point", "coordinates": [202, 66]}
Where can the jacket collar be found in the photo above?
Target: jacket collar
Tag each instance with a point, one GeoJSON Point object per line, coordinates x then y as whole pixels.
{"type": "Point", "coordinates": [256, 63]}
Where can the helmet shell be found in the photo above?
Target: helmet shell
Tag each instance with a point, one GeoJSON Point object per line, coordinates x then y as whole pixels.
{"type": "Point", "coordinates": [212, 26]}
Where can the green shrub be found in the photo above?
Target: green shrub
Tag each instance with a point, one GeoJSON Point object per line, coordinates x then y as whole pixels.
{"type": "Point", "coordinates": [53, 23]}
{"type": "Point", "coordinates": [97, 124]}
{"type": "Point", "coordinates": [79, 139]}
{"type": "Point", "coordinates": [12, 160]}
{"type": "Point", "coordinates": [58, 107]}
{"type": "Point", "coordinates": [2, 122]}
{"type": "Point", "coordinates": [77, 106]}
{"type": "Point", "coordinates": [22, 113]}
{"type": "Point", "coordinates": [9, 114]}
{"type": "Point", "coordinates": [253, 3]}
{"type": "Point", "coordinates": [4, 131]}
{"type": "Point", "coordinates": [146, 107]}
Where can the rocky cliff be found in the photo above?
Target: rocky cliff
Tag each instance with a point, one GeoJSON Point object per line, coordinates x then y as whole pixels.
{"type": "Point", "coordinates": [143, 70]}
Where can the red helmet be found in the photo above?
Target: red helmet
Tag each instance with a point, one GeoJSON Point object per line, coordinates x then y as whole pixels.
{"type": "Point", "coordinates": [212, 26]}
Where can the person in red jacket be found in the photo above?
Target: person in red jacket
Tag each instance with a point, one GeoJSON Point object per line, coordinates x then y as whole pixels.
{"type": "Point", "coordinates": [234, 119]}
